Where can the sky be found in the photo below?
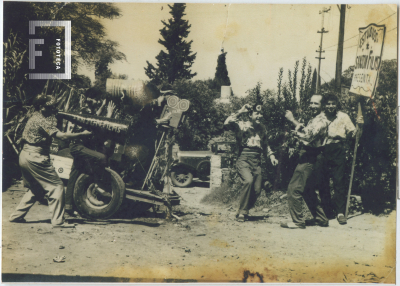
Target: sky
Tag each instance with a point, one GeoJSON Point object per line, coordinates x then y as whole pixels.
{"type": "Point", "coordinates": [259, 38]}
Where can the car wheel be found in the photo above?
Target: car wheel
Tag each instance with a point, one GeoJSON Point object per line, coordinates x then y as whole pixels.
{"type": "Point", "coordinates": [181, 178]}
{"type": "Point", "coordinates": [204, 170]}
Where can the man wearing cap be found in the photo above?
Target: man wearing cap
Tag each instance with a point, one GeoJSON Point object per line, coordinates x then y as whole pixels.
{"type": "Point", "coordinates": [303, 182]}
{"type": "Point", "coordinates": [141, 147]}
{"type": "Point", "coordinates": [37, 171]}
{"type": "Point", "coordinates": [251, 138]}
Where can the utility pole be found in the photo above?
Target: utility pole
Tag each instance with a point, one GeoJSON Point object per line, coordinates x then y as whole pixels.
{"type": "Point", "coordinates": [324, 10]}
{"type": "Point", "coordinates": [339, 57]}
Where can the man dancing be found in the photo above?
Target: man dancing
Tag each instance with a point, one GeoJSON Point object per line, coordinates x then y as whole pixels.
{"type": "Point", "coordinates": [302, 185]}
{"type": "Point", "coordinates": [251, 138]}
{"type": "Point", "coordinates": [334, 156]}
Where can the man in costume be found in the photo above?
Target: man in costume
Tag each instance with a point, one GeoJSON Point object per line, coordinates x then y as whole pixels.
{"type": "Point", "coordinates": [251, 138]}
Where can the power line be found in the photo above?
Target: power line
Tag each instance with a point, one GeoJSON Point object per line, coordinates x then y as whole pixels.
{"type": "Point", "coordinates": [350, 47]}
{"type": "Point", "coordinates": [387, 17]}
{"type": "Point", "coordinates": [356, 45]}
{"type": "Point", "coordinates": [357, 34]}
{"type": "Point", "coordinates": [327, 74]}
{"type": "Point", "coordinates": [343, 48]}
{"type": "Point", "coordinates": [343, 41]}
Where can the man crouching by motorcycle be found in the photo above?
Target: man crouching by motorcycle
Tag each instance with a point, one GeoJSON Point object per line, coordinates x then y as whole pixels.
{"type": "Point", "coordinates": [86, 159]}
{"type": "Point", "coordinates": [141, 147]}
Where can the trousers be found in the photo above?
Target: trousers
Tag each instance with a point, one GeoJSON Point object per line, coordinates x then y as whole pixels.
{"type": "Point", "coordinates": [302, 186]}
{"type": "Point", "coordinates": [249, 168]}
{"type": "Point", "coordinates": [42, 181]}
{"type": "Point", "coordinates": [333, 165]}
{"type": "Point", "coordinates": [86, 161]}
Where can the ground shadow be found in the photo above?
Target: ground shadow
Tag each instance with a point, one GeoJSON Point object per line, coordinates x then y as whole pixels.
{"type": "Point", "coordinates": [35, 221]}
{"type": "Point", "coordinates": [201, 184]}
{"type": "Point", "coordinates": [182, 213]}
{"type": "Point", "coordinates": [257, 217]}
{"type": "Point", "coordinates": [355, 215]}
{"type": "Point", "coordinates": [112, 221]}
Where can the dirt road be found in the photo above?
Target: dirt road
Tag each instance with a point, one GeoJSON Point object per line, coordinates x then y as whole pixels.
{"type": "Point", "coordinates": [205, 245]}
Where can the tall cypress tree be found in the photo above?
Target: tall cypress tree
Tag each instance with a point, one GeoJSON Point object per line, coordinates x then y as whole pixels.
{"type": "Point", "coordinates": [314, 82]}
{"type": "Point", "coordinates": [176, 62]}
{"type": "Point", "coordinates": [221, 73]}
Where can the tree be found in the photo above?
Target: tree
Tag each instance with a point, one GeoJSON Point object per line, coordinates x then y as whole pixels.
{"type": "Point", "coordinates": [14, 76]}
{"type": "Point", "coordinates": [106, 55]}
{"type": "Point", "coordinates": [314, 82]}
{"type": "Point", "coordinates": [205, 118]}
{"type": "Point", "coordinates": [221, 73]}
{"type": "Point", "coordinates": [305, 88]}
{"type": "Point", "coordinates": [176, 62]}
{"type": "Point", "coordinates": [280, 77]}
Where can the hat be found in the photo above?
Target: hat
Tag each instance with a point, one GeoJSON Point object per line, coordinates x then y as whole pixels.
{"type": "Point", "coordinates": [255, 107]}
{"type": "Point", "coordinates": [44, 100]}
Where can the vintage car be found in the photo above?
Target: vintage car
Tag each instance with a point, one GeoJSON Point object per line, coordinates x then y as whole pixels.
{"type": "Point", "coordinates": [189, 165]}
{"type": "Point", "coordinates": [196, 164]}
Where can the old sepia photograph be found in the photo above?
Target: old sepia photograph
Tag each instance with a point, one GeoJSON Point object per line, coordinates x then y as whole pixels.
{"type": "Point", "coordinates": [199, 142]}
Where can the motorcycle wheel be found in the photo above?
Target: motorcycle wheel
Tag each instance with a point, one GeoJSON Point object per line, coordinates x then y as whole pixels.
{"type": "Point", "coordinates": [181, 178]}
{"type": "Point", "coordinates": [91, 204]}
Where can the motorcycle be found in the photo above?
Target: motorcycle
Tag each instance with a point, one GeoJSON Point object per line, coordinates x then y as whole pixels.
{"type": "Point", "coordinates": [125, 177]}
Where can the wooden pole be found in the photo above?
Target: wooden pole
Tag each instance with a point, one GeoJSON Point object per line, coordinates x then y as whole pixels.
{"type": "Point", "coordinates": [324, 10]}
{"type": "Point", "coordinates": [359, 118]}
{"type": "Point", "coordinates": [66, 107]}
{"type": "Point", "coordinates": [12, 144]}
{"type": "Point", "coordinates": [169, 162]}
{"type": "Point", "coordinates": [45, 87]}
{"type": "Point", "coordinates": [339, 56]}
{"type": "Point", "coordinates": [150, 172]}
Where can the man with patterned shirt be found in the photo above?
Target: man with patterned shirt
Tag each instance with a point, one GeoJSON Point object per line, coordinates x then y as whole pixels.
{"type": "Point", "coordinates": [37, 171]}
{"type": "Point", "coordinates": [251, 138]}
{"type": "Point", "coordinates": [334, 156]}
{"type": "Point", "coordinates": [302, 185]}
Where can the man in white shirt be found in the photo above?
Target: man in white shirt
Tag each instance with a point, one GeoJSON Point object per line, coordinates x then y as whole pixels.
{"type": "Point", "coordinates": [334, 156]}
